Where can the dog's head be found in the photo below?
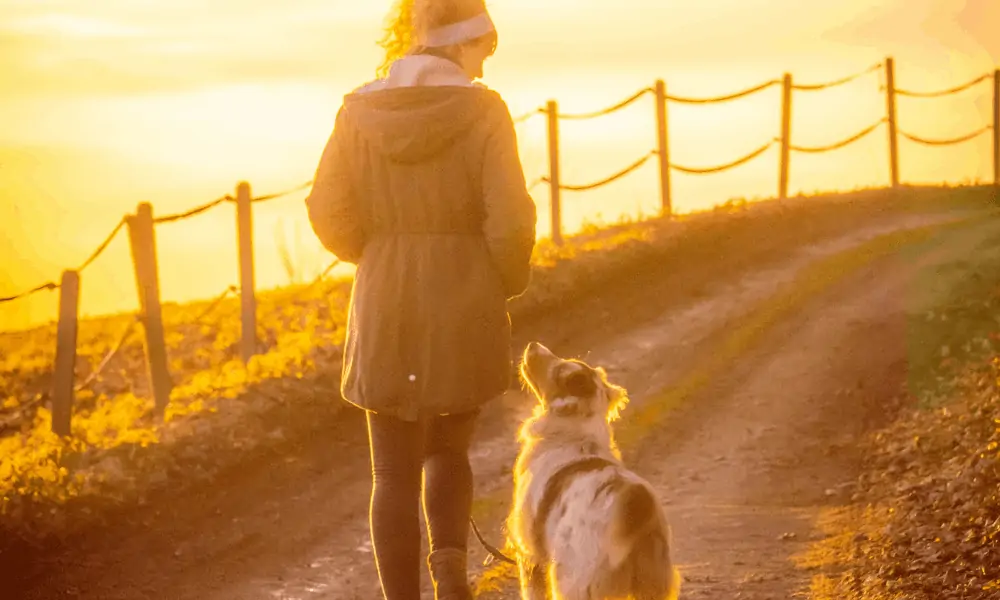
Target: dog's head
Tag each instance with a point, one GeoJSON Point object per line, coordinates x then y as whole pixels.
{"type": "Point", "coordinates": [569, 387]}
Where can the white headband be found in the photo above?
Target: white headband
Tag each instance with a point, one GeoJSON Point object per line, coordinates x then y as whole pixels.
{"type": "Point", "coordinates": [460, 32]}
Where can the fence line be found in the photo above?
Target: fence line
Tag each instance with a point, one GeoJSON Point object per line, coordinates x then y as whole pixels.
{"type": "Point", "coordinates": [275, 196]}
{"type": "Point", "coordinates": [522, 118]}
{"type": "Point", "coordinates": [842, 143]}
{"type": "Point", "coordinates": [191, 213]}
{"type": "Point", "coordinates": [946, 142]}
{"type": "Point", "coordinates": [822, 86]}
{"type": "Point", "coordinates": [727, 98]}
{"type": "Point", "coordinates": [726, 166]}
{"type": "Point", "coordinates": [947, 92]}
{"type": "Point", "coordinates": [102, 247]}
{"type": "Point", "coordinates": [141, 224]}
{"type": "Point", "coordinates": [111, 354]}
{"type": "Point", "coordinates": [627, 170]}
{"type": "Point", "coordinates": [51, 285]}
{"type": "Point", "coordinates": [608, 110]}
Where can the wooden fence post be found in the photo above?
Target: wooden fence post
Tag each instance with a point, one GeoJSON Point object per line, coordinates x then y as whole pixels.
{"type": "Point", "coordinates": [248, 299]}
{"type": "Point", "coordinates": [65, 368]}
{"type": "Point", "coordinates": [786, 136]}
{"type": "Point", "coordinates": [663, 147]}
{"type": "Point", "coordinates": [142, 239]}
{"type": "Point", "coordinates": [552, 110]}
{"type": "Point", "coordinates": [996, 129]}
{"type": "Point", "coordinates": [890, 105]}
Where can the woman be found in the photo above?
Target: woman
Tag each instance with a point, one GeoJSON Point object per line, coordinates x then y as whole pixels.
{"type": "Point", "coordinates": [421, 186]}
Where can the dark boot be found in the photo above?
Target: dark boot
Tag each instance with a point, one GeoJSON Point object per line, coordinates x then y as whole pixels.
{"type": "Point", "coordinates": [449, 574]}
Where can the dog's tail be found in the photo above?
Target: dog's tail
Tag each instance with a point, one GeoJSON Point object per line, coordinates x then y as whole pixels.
{"type": "Point", "coordinates": [634, 514]}
{"type": "Point", "coordinates": [637, 528]}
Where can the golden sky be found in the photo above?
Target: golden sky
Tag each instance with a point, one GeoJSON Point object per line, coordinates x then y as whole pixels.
{"type": "Point", "coordinates": [106, 103]}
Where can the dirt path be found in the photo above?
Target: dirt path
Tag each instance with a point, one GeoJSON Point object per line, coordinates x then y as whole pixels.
{"type": "Point", "coordinates": [746, 484]}
{"type": "Point", "coordinates": [745, 461]}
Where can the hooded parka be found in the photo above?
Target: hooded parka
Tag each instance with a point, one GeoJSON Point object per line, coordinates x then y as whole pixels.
{"type": "Point", "coordinates": [420, 185]}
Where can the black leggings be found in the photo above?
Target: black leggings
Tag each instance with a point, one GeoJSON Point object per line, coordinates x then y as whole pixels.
{"type": "Point", "coordinates": [399, 451]}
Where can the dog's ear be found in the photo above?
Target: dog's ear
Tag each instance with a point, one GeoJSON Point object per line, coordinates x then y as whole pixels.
{"type": "Point", "coordinates": [616, 395]}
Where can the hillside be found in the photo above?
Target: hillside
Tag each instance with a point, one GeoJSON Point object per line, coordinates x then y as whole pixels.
{"type": "Point", "coordinates": [923, 518]}
{"type": "Point", "coordinates": [221, 413]}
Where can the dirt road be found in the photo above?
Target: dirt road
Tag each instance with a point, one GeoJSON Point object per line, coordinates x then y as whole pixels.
{"type": "Point", "coordinates": [760, 442]}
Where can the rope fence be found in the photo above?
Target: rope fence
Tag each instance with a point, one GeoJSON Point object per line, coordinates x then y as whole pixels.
{"type": "Point", "coordinates": [947, 142]}
{"type": "Point", "coordinates": [275, 196]}
{"type": "Point", "coordinates": [522, 118]}
{"type": "Point", "coordinates": [725, 167]}
{"type": "Point", "coordinates": [140, 225]}
{"type": "Point", "coordinates": [947, 92]}
{"type": "Point", "coordinates": [627, 170]}
{"type": "Point", "coordinates": [111, 354]}
{"type": "Point", "coordinates": [607, 111]}
{"type": "Point", "coordinates": [51, 285]}
{"type": "Point", "coordinates": [325, 272]}
{"type": "Point", "coordinates": [840, 144]}
{"type": "Point", "coordinates": [662, 99]}
{"type": "Point", "coordinates": [102, 247]}
{"type": "Point", "coordinates": [130, 328]}
{"type": "Point", "coordinates": [727, 98]}
{"type": "Point", "coordinates": [214, 304]}
{"type": "Point", "coordinates": [191, 213]}
{"type": "Point", "coordinates": [836, 82]}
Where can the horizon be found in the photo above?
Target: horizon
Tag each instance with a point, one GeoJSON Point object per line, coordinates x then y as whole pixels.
{"type": "Point", "coordinates": [109, 106]}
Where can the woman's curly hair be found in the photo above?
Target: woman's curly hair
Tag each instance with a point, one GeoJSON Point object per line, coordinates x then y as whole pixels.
{"type": "Point", "coordinates": [409, 18]}
{"type": "Point", "coordinates": [397, 38]}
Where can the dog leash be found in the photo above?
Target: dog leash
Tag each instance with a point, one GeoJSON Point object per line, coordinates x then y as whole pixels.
{"type": "Point", "coordinates": [494, 552]}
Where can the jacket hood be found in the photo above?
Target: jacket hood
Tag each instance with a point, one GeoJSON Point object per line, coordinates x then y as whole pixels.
{"type": "Point", "coordinates": [421, 109]}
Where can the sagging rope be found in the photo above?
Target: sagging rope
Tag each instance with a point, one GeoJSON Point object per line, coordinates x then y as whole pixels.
{"type": "Point", "coordinates": [725, 167]}
{"type": "Point", "coordinates": [947, 142]}
{"type": "Point", "coordinates": [840, 144]}
{"type": "Point", "coordinates": [947, 92]}
{"type": "Point", "coordinates": [608, 110]}
{"type": "Point", "coordinates": [590, 186]}
{"type": "Point", "coordinates": [192, 212]}
{"type": "Point", "coordinates": [51, 285]}
{"type": "Point", "coordinates": [726, 98]}
{"type": "Point", "coordinates": [829, 84]}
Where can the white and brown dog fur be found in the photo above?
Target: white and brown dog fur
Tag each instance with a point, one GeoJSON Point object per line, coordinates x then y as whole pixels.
{"type": "Point", "coordinates": [585, 527]}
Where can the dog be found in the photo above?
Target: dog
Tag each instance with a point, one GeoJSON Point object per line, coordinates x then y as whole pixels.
{"type": "Point", "coordinates": [584, 526]}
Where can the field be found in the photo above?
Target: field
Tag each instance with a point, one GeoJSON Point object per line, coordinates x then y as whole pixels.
{"type": "Point", "coordinates": [220, 411]}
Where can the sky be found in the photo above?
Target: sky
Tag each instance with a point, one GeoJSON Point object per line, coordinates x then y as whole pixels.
{"type": "Point", "coordinates": [107, 103]}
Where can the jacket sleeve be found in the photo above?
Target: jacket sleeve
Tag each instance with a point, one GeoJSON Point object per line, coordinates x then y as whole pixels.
{"type": "Point", "coordinates": [333, 203]}
{"type": "Point", "coordinates": [510, 211]}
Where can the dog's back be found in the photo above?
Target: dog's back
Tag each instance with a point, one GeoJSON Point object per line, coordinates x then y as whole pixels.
{"type": "Point", "coordinates": [606, 536]}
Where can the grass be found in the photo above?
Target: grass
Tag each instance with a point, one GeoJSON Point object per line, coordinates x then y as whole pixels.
{"type": "Point", "coordinates": [115, 440]}
{"type": "Point", "coordinates": [924, 521]}
{"type": "Point", "coordinates": [953, 318]}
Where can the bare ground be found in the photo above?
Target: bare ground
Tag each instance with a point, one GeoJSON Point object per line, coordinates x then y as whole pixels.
{"type": "Point", "coordinates": [744, 463]}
